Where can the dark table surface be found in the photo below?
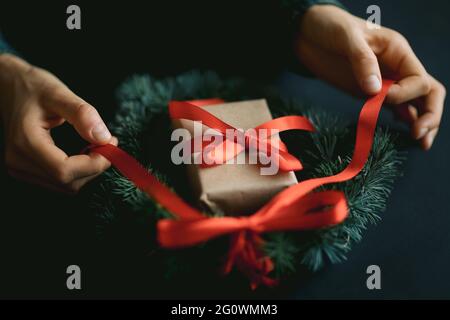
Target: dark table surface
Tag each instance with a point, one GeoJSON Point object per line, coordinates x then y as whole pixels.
{"type": "Point", "coordinates": [42, 233]}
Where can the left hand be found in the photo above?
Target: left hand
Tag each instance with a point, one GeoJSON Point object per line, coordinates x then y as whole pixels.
{"type": "Point", "coordinates": [33, 102]}
{"type": "Point", "coordinates": [341, 49]}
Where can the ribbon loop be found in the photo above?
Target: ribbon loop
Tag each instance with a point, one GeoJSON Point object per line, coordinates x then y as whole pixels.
{"type": "Point", "coordinates": [220, 154]}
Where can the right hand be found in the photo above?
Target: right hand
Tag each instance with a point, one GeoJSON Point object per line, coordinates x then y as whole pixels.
{"type": "Point", "coordinates": [341, 49]}
{"type": "Point", "coordinates": [32, 102]}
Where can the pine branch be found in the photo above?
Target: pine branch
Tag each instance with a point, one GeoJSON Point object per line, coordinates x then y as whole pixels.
{"type": "Point", "coordinates": [143, 99]}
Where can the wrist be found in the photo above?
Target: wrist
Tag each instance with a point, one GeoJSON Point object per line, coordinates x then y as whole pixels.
{"type": "Point", "coordinates": [321, 9]}
{"type": "Point", "coordinates": [324, 13]}
{"type": "Point", "coordinates": [325, 24]}
{"type": "Point", "coordinates": [6, 66]}
{"type": "Point", "coordinates": [10, 67]}
{"type": "Point", "coordinates": [10, 62]}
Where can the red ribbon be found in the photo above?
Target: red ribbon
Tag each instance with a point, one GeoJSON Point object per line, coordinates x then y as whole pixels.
{"type": "Point", "coordinates": [191, 110]}
{"type": "Point", "coordinates": [294, 208]}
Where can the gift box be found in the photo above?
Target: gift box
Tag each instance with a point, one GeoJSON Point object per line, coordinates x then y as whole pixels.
{"type": "Point", "coordinates": [236, 188]}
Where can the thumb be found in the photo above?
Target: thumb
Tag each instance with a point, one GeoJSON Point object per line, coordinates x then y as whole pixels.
{"type": "Point", "coordinates": [365, 66]}
{"type": "Point", "coordinates": [84, 117]}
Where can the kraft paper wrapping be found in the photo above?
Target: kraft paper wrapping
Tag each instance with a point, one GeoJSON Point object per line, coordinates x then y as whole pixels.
{"type": "Point", "coordinates": [235, 189]}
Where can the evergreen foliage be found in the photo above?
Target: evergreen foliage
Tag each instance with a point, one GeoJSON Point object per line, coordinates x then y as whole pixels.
{"type": "Point", "coordinates": [126, 215]}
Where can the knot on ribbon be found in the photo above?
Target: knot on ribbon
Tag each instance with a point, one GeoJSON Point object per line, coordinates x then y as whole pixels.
{"type": "Point", "coordinates": [265, 144]}
{"type": "Point", "coordinates": [254, 140]}
{"type": "Point", "coordinates": [292, 209]}
{"type": "Point", "coordinates": [250, 223]}
{"type": "Point", "coordinates": [247, 255]}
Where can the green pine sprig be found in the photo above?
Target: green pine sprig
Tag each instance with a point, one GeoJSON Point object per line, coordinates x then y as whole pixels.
{"type": "Point", "coordinates": [143, 101]}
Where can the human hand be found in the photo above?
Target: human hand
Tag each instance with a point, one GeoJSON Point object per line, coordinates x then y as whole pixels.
{"type": "Point", "coordinates": [32, 102]}
{"type": "Point", "coordinates": [342, 50]}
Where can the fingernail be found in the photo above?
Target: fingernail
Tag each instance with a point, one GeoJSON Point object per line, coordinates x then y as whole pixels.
{"type": "Point", "coordinates": [432, 137]}
{"type": "Point", "coordinates": [428, 142]}
{"type": "Point", "coordinates": [372, 84]}
{"type": "Point", "coordinates": [422, 133]}
{"type": "Point", "coordinates": [101, 133]}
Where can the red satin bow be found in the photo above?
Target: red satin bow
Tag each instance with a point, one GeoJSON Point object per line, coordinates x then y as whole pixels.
{"type": "Point", "coordinates": [191, 110]}
{"type": "Point", "coordinates": [295, 208]}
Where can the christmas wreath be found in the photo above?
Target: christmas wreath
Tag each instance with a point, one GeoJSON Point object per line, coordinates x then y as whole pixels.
{"type": "Point", "coordinates": [126, 215]}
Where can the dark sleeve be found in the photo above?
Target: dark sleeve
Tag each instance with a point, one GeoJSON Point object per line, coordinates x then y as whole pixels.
{"type": "Point", "coordinates": [5, 47]}
{"type": "Point", "coordinates": [295, 9]}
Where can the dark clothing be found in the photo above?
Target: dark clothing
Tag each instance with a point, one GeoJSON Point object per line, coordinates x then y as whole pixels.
{"type": "Point", "coordinates": [249, 38]}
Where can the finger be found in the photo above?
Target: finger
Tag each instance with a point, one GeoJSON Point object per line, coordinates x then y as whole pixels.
{"type": "Point", "coordinates": [42, 149]}
{"type": "Point", "coordinates": [400, 62]}
{"type": "Point", "coordinates": [329, 67]}
{"type": "Point", "coordinates": [427, 141]}
{"type": "Point", "coordinates": [19, 161]}
{"type": "Point", "coordinates": [423, 125]}
{"type": "Point", "coordinates": [53, 122]}
{"type": "Point", "coordinates": [364, 64]}
{"type": "Point", "coordinates": [80, 114]}
{"type": "Point", "coordinates": [407, 89]}
{"type": "Point", "coordinates": [86, 165]}
{"type": "Point", "coordinates": [22, 168]}
{"type": "Point", "coordinates": [56, 165]}
{"type": "Point", "coordinates": [433, 106]}
{"type": "Point", "coordinates": [406, 112]}
{"type": "Point", "coordinates": [78, 183]}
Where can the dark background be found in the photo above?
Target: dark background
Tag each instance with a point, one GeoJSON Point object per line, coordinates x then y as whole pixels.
{"type": "Point", "coordinates": [42, 233]}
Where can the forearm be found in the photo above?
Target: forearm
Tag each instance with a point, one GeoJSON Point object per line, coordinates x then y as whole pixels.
{"type": "Point", "coordinates": [6, 77]}
{"type": "Point", "coordinates": [7, 62]}
{"type": "Point", "coordinates": [296, 10]}
{"type": "Point", "coordinates": [11, 67]}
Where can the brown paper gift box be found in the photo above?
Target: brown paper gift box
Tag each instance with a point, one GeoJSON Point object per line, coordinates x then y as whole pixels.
{"type": "Point", "coordinates": [235, 189]}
